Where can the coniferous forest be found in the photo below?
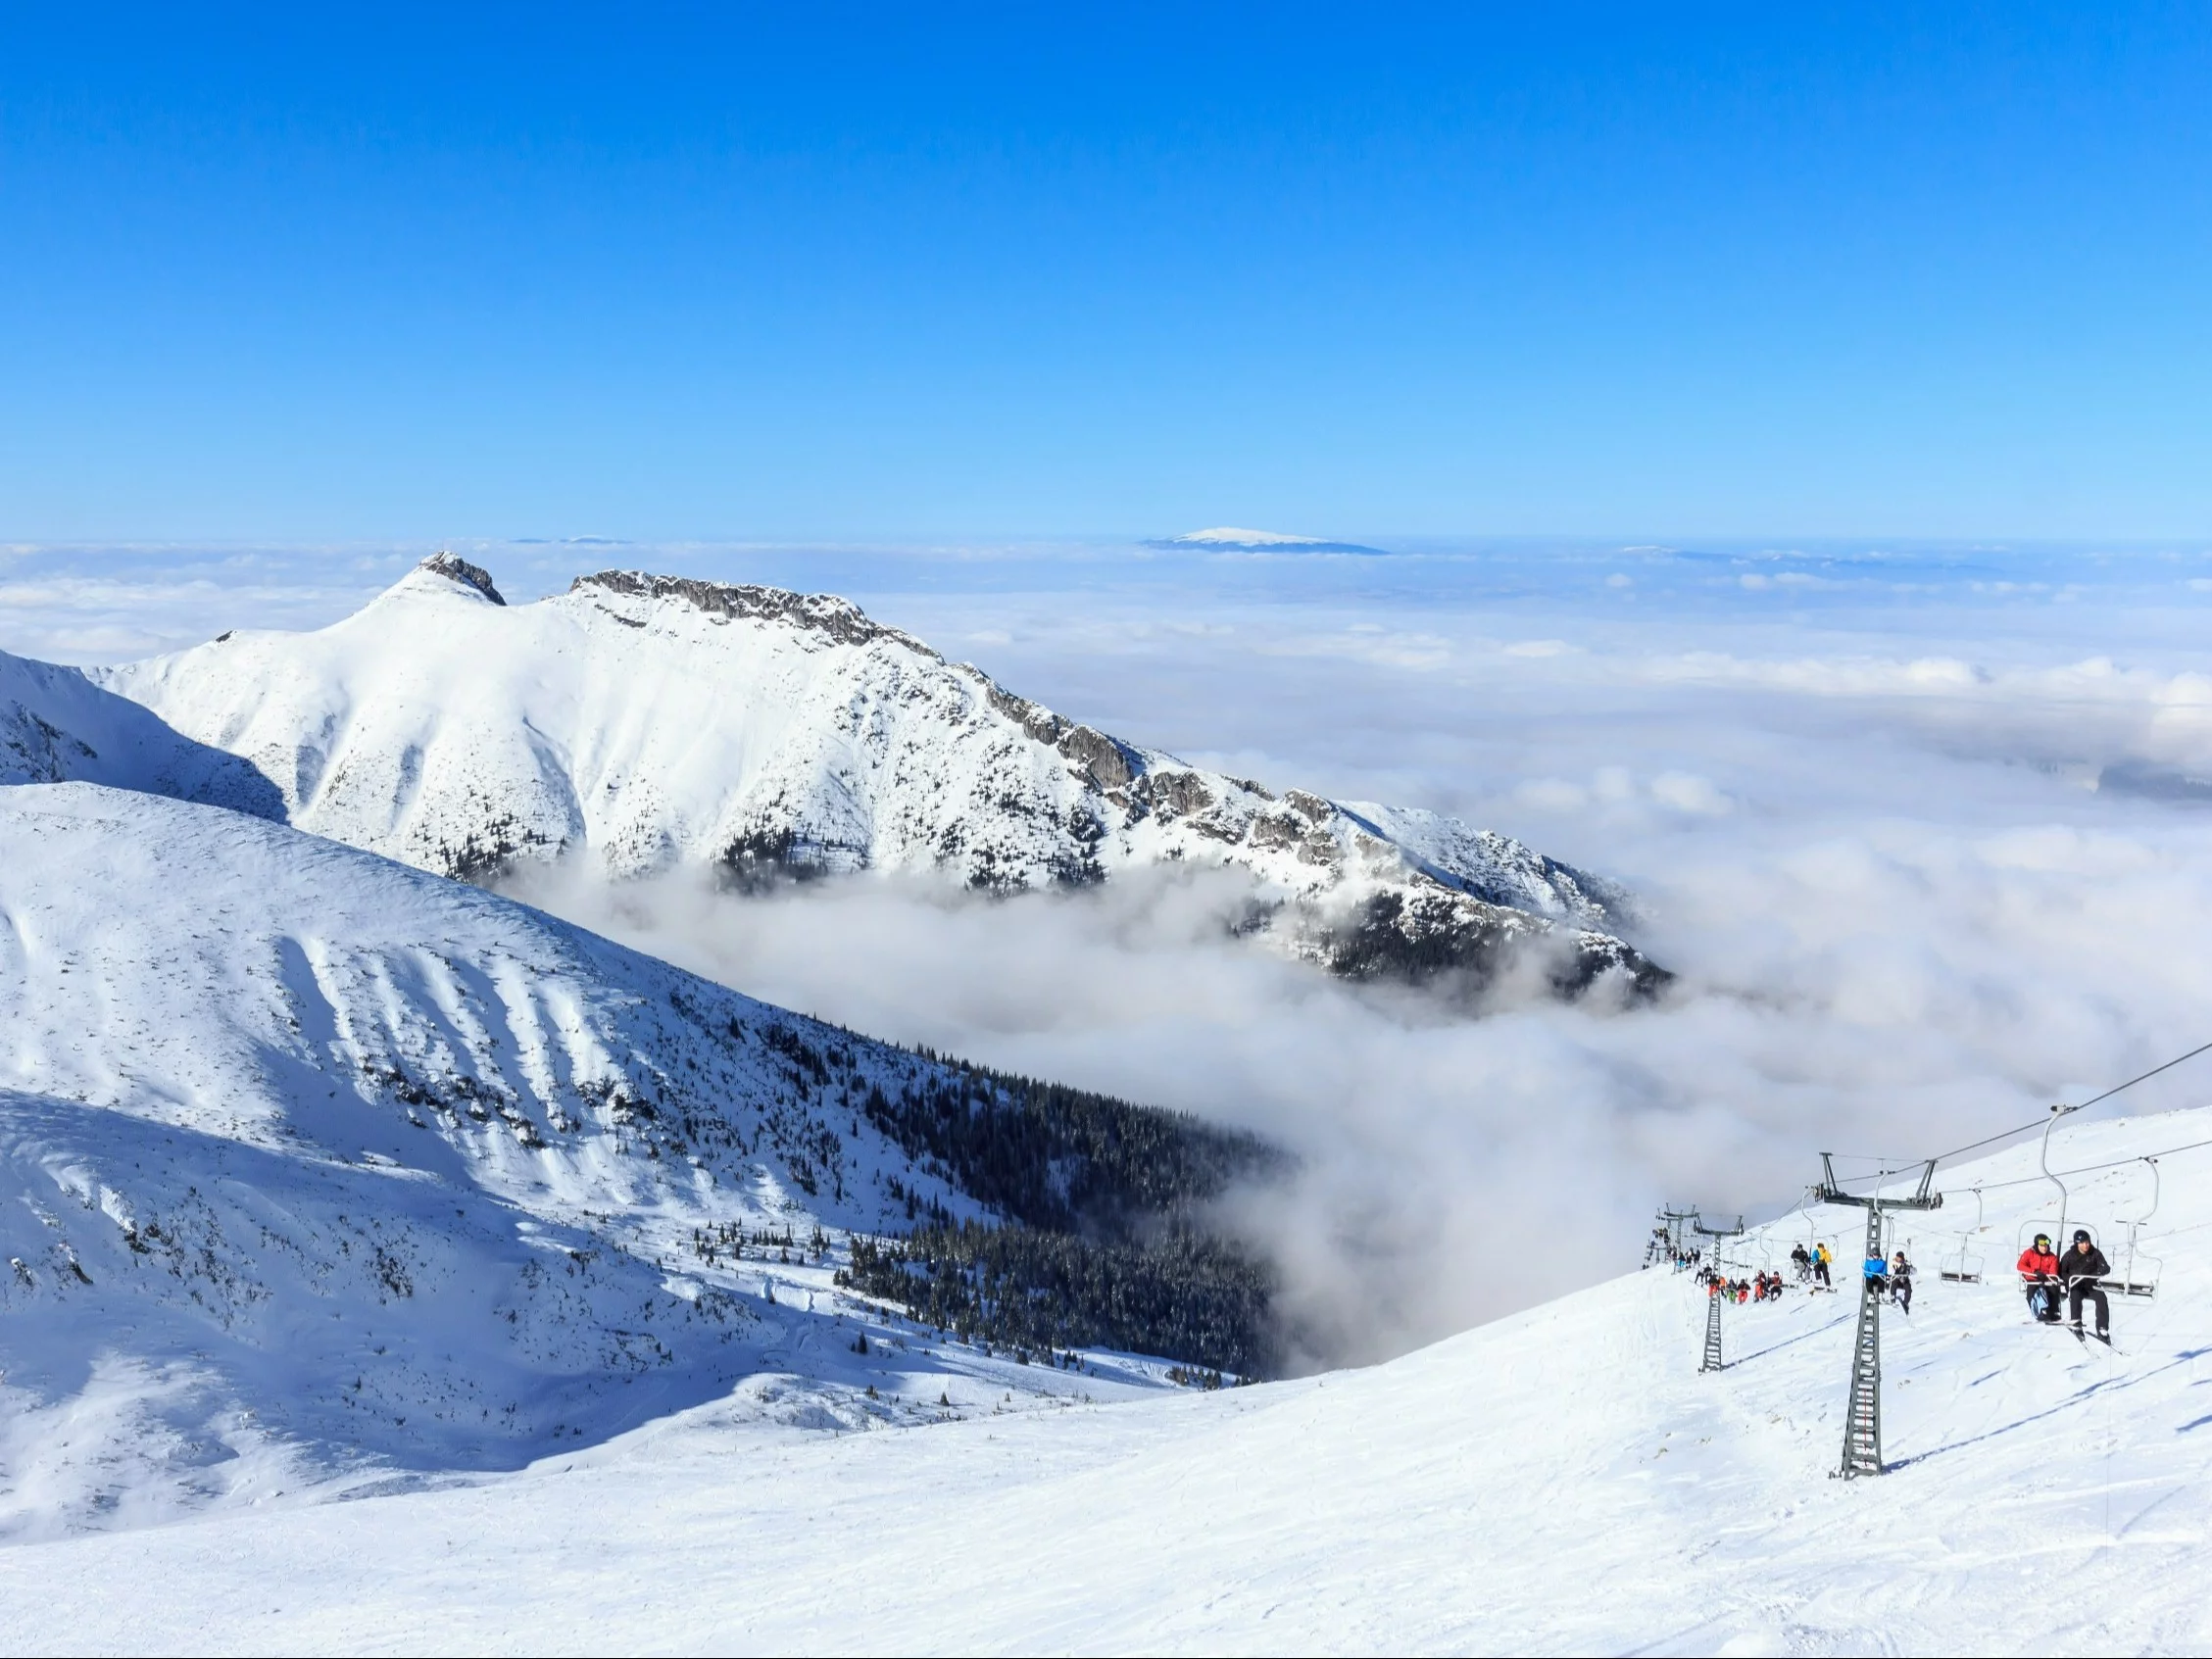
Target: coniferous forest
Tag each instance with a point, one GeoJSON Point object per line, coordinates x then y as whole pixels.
{"type": "Point", "coordinates": [1105, 1242]}
{"type": "Point", "coordinates": [1184, 1294]}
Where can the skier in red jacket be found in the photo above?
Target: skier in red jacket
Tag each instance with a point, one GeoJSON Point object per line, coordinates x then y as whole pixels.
{"type": "Point", "coordinates": [2038, 1276]}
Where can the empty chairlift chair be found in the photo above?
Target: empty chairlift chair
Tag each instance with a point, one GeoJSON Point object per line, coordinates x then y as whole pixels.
{"type": "Point", "coordinates": [1963, 1266]}
{"type": "Point", "coordinates": [2138, 1273]}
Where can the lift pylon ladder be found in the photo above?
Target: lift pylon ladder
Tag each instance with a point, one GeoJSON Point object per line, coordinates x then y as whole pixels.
{"type": "Point", "coordinates": [1862, 1417]}
{"type": "Point", "coordinates": [1713, 1297]}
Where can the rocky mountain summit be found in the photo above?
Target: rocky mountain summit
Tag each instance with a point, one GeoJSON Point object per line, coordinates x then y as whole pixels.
{"type": "Point", "coordinates": [647, 721]}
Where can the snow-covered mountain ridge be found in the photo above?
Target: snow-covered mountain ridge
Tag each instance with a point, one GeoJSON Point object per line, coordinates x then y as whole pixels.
{"type": "Point", "coordinates": [58, 726]}
{"type": "Point", "coordinates": [314, 1166]}
{"type": "Point", "coordinates": [651, 721]}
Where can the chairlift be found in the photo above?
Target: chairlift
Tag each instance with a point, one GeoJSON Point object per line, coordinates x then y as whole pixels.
{"type": "Point", "coordinates": [2041, 1225]}
{"type": "Point", "coordinates": [1963, 1266]}
{"type": "Point", "coordinates": [1719, 1260]}
{"type": "Point", "coordinates": [2138, 1273]}
{"type": "Point", "coordinates": [1813, 1237]}
{"type": "Point", "coordinates": [1758, 1241]}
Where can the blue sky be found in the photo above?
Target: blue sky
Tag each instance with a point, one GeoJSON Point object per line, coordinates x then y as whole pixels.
{"type": "Point", "coordinates": [719, 272]}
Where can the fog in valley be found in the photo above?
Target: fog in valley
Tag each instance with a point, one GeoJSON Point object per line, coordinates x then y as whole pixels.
{"type": "Point", "coordinates": [1924, 848]}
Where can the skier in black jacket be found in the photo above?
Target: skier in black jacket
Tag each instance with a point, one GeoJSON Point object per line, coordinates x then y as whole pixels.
{"type": "Point", "coordinates": [2079, 1270]}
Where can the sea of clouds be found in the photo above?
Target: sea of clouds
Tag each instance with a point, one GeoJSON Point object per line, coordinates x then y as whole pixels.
{"type": "Point", "coordinates": [1925, 834]}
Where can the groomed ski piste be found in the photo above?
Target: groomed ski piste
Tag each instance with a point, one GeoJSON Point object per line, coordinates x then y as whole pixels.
{"type": "Point", "coordinates": [1560, 1481]}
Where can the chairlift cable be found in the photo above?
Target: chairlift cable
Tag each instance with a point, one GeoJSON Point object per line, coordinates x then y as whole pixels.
{"type": "Point", "coordinates": [2093, 1168]}
{"type": "Point", "coordinates": [2094, 1099]}
{"type": "Point", "coordinates": [2152, 1072]}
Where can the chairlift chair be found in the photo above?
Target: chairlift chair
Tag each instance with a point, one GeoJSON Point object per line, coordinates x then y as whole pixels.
{"type": "Point", "coordinates": [1758, 1241]}
{"type": "Point", "coordinates": [2055, 1230]}
{"type": "Point", "coordinates": [1963, 1266]}
{"type": "Point", "coordinates": [2138, 1273]}
{"type": "Point", "coordinates": [1814, 1237]}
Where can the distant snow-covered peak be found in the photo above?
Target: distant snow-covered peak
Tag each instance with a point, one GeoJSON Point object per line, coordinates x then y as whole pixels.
{"type": "Point", "coordinates": [1248, 538]}
{"type": "Point", "coordinates": [650, 721]}
{"type": "Point", "coordinates": [1229, 539]}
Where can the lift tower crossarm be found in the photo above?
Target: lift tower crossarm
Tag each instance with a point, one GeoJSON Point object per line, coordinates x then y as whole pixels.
{"type": "Point", "coordinates": [1862, 1419]}
{"type": "Point", "coordinates": [1674, 1218]}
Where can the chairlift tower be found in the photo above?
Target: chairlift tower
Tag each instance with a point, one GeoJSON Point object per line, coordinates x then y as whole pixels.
{"type": "Point", "coordinates": [1713, 1298]}
{"type": "Point", "coordinates": [1862, 1420]}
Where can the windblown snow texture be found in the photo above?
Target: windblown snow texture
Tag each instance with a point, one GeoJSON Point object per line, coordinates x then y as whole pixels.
{"type": "Point", "coordinates": [652, 721]}
{"type": "Point", "coordinates": [311, 1163]}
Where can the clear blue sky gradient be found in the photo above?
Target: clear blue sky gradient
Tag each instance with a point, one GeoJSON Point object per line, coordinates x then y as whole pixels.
{"type": "Point", "coordinates": [726, 273]}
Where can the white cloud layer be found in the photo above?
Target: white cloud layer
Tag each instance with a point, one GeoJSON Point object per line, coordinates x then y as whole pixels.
{"type": "Point", "coordinates": [1924, 861]}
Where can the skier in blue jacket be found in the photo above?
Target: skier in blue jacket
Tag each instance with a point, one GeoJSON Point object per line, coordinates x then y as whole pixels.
{"type": "Point", "coordinates": [1876, 1272]}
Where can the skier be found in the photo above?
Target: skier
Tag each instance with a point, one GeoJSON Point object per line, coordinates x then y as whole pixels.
{"type": "Point", "coordinates": [1877, 1273]}
{"type": "Point", "coordinates": [1900, 1282]}
{"type": "Point", "coordinates": [2038, 1276]}
{"type": "Point", "coordinates": [2080, 1269]}
{"type": "Point", "coordinates": [1801, 1260]}
{"type": "Point", "coordinates": [1821, 1260]}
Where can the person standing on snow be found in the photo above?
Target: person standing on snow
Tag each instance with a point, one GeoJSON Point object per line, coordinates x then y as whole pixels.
{"type": "Point", "coordinates": [1900, 1282]}
{"type": "Point", "coordinates": [2079, 1270]}
{"type": "Point", "coordinates": [2038, 1276]}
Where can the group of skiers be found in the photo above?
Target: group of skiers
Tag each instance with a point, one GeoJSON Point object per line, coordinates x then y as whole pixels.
{"type": "Point", "coordinates": [2058, 1286]}
{"type": "Point", "coordinates": [1812, 1265]}
{"type": "Point", "coordinates": [1891, 1277]}
{"type": "Point", "coordinates": [1761, 1287]}
{"type": "Point", "coordinates": [1683, 1261]}
{"type": "Point", "coordinates": [2051, 1279]}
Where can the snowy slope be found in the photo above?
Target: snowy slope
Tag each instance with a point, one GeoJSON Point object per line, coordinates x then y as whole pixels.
{"type": "Point", "coordinates": [58, 726]}
{"type": "Point", "coordinates": [654, 721]}
{"type": "Point", "coordinates": [1563, 1481]}
{"type": "Point", "coordinates": [314, 1166]}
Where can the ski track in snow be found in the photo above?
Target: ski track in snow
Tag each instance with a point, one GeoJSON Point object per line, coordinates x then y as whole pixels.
{"type": "Point", "coordinates": [1563, 1481]}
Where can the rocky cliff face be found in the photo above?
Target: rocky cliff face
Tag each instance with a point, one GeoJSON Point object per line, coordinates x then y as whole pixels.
{"type": "Point", "coordinates": [646, 721]}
